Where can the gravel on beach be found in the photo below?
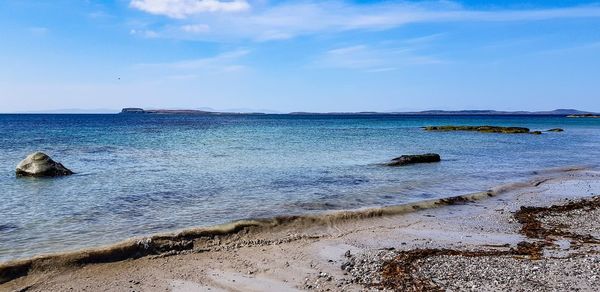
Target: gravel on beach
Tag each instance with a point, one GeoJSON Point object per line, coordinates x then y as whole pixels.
{"type": "Point", "coordinates": [485, 273]}
{"type": "Point", "coordinates": [574, 266]}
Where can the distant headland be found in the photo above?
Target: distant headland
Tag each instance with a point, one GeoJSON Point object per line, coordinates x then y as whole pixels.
{"type": "Point", "coordinates": [135, 110]}
{"type": "Point", "coordinates": [572, 113]}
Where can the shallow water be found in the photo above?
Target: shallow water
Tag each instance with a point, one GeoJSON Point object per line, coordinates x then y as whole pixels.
{"type": "Point", "coordinates": [142, 174]}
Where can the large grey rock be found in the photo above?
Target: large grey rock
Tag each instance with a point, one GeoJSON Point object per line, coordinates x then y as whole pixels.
{"type": "Point", "coordinates": [412, 159]}
{"type": "Point", "coordinates": [39, 164]}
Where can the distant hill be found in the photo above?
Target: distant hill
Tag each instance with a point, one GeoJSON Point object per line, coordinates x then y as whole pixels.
{"type": "Point", "coordinates": [70, 111]}
{"type": "Point", "coordinates": [557, 112]}
{"type": "Point", "coordinates": [239, 110]}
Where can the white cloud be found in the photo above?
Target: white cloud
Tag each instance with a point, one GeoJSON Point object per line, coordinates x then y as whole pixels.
{"type": "Point", "coordinates": [185, 8]}
{"type": "Point", "coordinates": [286, 20]}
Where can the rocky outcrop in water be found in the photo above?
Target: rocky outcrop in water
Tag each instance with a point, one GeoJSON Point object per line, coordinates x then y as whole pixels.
{"type": "Point", "coordinates": [132, 110]}
{"type": "Point", "coordinates": [412, 159]}
{"type": "Point", "coordinates": [556, 130]}
{"type": "Point", "coordinates": [39, 164]}
{"type": "Point", "coordinates": [482, 129]}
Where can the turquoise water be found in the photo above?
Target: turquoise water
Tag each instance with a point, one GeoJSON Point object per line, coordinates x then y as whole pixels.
{"type": "Point", "coordinates": [142, 174]}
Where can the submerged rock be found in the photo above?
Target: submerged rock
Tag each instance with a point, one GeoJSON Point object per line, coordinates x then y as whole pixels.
{"type": "Point", "coordinates": [536, 132]}
{"type": "Point", "coordinates": [39, 164]}
{"type": "Point", "coordinates": [483, 129]}
{"type": "Point", "coordinates": [412, 159]}
{"type": "Point", "coordinates": [556, 130]}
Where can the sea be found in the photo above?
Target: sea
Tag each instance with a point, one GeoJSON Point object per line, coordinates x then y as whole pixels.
{"type": "Point", "coordinates": [140, 174]}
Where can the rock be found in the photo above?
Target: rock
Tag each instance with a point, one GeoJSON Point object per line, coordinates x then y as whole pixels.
{"type": "Point", "coordinates": [412, 159]}
{"type": "Point", "coordinates": [556, 130]}
{"type": "Point", "coordinates": [482, 129]}
{"type": "Point", "coordinates": [536, 132]}
{"type": "Point", "coordinates": [39, 164]}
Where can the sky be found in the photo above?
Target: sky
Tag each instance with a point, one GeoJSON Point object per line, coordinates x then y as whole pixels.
{"type": "Point", "coordinates": [287, 56]}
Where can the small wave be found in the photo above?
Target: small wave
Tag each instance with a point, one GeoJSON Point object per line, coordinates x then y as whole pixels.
{"type": "Point", "coordinates": [341, 180]}
{"type": "Point", "coordinates": [316, 206]}
{"type": "Point", "coordinates": [100, 149]}
{"type": "Point", "coordinates": [556, 170]}
{"type": "Point", "coordinates": [245, 148]}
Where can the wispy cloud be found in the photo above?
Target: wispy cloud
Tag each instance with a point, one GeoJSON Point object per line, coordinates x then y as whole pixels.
{"type": "Point", "coordinates": [195, 28]}
{"type": "Point", "coordinates": [99, 14]}
{"type": "Point", "coordinates": [38, 30]}
{"type": "Point", "coordinates": [227, 62]}
{"type": "Point", "coordinates": [423, 39]}
{"type": "Point", "coordinates": [185, 8]}
{"type": "Point", "coordinates": [285, 20]}
{"type": "Point", "coordinates": [593, 46]}
{"type": "Point", "coordinates": [145, 33]}
{"type": "Point", "coordinates": [183, 76]}
{"type": "Point", "coordinates": [372, 59]}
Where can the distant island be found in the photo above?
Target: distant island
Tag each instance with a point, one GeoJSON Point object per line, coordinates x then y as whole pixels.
{"type": "Point", "coordinates": [134, 110]}
{"type": "Point", "coordinates": [572, 113]}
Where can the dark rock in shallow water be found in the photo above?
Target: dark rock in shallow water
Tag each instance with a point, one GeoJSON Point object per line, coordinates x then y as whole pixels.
{"type": "Point", "coordinates": [483, 129]}
{"type": "Point", "coordinates": [7, 227]}
{"type": "Point", "coordinates": [536, 132]}
{"type": "Point", "coordinates": [39, 164]}
{"type": "Point", "coordinates": [556, 130]}
{"type": "Point", "coordinates": [412, 159]}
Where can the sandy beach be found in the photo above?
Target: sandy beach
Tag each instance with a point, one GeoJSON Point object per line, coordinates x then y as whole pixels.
{"type": "Point", "coordinates": [491, 243]}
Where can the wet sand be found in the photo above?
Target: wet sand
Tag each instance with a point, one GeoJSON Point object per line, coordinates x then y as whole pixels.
{"type": "Point", "coordinates": [459, 244]}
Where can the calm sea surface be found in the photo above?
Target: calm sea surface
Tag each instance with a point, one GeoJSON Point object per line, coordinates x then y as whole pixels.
{"type": "Point", "coordinates": [142, 174]}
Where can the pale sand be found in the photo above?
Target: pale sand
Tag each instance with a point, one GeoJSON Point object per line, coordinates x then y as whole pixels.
{"type": "Point", "coordinates": [308, 255]}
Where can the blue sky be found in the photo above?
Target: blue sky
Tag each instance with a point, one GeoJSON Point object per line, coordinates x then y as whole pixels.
{"type": "Point", "coordinates": [299, 55]}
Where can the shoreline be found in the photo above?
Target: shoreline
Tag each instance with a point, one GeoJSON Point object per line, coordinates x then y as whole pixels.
{"type": "Point", "coordinates": [190, 240]}
{"type": "Point", "coordinates": [316, 217]}
{"type": "Point", "coordinates": [177, 241]}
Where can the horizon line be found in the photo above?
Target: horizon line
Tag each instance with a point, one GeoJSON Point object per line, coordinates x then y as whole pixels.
{"type": "Point", "coordinates": [273, 112]}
